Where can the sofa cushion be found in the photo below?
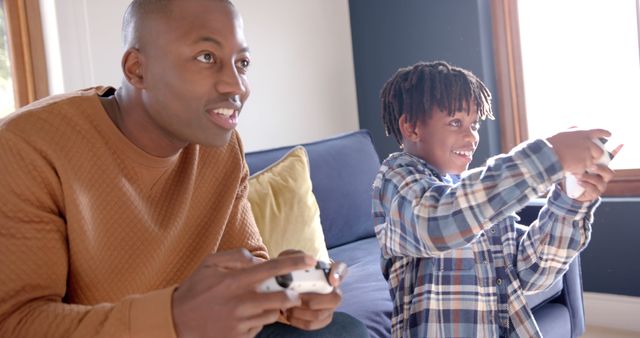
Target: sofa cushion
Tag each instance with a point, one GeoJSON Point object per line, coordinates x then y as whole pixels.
{"type": "Point", "coordinates": [365, 292]}
{"type": "Point", "coordinates": [342, 170]}
{"type": "Point", "coordinates": [553, 321]}
{"type": "Point", "coordinates": [284, 207]}
{"type": "Point", "coordinates": [538, 299]}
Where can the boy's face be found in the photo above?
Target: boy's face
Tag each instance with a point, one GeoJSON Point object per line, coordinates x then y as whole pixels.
{"type": "Point", "coordinates": [446, 142]}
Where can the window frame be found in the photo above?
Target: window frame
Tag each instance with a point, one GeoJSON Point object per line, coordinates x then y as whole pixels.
{"type": "Point", "coordinates": [510, 90]}
{"type": "Point", "coordinates": [26, 50]}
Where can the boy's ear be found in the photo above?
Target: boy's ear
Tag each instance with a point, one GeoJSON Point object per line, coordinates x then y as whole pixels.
{"type": "Point", "coordinates": [408, 129]}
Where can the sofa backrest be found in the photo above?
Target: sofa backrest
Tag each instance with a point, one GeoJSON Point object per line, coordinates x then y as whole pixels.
{"type": "Point", "coordinates": [342, 172]}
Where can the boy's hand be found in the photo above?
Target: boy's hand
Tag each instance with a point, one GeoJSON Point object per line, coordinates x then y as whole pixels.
{"type": "Point", "coordinates": [576, 150]}
{"type": "Point", "coordinates": [316, 309]}
{"type": "Point", "coordinates": [595, 179]}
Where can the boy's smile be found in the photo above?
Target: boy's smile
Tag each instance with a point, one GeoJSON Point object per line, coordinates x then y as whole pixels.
{"type": "Point", "coordinates": [446, 142]}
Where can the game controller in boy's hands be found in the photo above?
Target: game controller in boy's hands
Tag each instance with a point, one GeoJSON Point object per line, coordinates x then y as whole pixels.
{"type": "Point", "coordinates": [573, 189]}
{"type": "Point", "coordinates": [314, 279]}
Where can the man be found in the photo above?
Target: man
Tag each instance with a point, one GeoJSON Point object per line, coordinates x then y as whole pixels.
{"type": "Point", "coordinates": [124, 212]}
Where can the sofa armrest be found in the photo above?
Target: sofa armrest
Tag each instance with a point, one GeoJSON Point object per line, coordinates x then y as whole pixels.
{"type": "Point", "coordinates": [572, 297]}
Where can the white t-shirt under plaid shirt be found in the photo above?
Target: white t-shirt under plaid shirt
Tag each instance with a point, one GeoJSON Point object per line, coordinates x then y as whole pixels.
{"type": "Point", "coordinates": [450, 252]}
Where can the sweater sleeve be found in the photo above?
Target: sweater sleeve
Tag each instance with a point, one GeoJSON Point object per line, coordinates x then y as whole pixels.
{"type": "Point", "coordinates": [34, 258]}
{"type": "Point", "coordinates": [241, 230]}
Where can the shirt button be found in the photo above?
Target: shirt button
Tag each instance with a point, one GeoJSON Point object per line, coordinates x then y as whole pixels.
{"type": "Point", "coordinates": [493, 230]}
{"type": "Point", "coordinates": [505, 323]}
{"type": "Point", "coordinates": [499, 281]}
{"type": "Point", "coordinates": [486, 262]}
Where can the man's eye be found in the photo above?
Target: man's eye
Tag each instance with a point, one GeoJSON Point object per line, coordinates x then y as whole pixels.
{"type": "Point", "coordinates": [206, 58]}
{"type": "Point", "coordinates": [244, 64]}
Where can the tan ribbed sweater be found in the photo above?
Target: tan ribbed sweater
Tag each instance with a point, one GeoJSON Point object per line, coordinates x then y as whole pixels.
{"type": "Point", "coordinates": [95, 233]}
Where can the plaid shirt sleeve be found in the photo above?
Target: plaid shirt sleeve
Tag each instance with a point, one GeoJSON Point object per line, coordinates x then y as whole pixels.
{"type": "Point", "coordinates": [562, 230]}
{"type": "Point", "coordinates": [418, 215]}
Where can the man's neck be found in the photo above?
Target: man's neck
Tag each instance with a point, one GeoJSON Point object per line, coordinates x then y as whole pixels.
{"type": "Point", "coordinates": [130, 119]}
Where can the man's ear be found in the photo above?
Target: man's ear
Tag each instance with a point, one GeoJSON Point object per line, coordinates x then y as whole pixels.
{"type": "Point", "coordinates": [408, 129]}
{"type": "Point", "coordinates": [132, 62]}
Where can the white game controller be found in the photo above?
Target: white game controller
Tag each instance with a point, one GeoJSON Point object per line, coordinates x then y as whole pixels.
{"type": "Point", "coordinates": [571, 186]}
{"type": "Point", "coordinates": [301, 281]}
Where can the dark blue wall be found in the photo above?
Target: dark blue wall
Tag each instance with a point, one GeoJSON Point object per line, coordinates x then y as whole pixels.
{"type": "Point", "coordinates": [388, 35]}
{"type": "Point", "coordinates": [611, 262]}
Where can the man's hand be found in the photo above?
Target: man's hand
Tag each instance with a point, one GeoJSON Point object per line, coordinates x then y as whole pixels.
{"type": "Point", "coordinates": [220, 300]}
{"type": "Point", "coordinates": [316, 310]}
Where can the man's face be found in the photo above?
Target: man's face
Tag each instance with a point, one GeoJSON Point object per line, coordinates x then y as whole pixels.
{"type": "Point", "coordinates": [194, 70]}
{"type": "Point", "coordinates": [448, 142]}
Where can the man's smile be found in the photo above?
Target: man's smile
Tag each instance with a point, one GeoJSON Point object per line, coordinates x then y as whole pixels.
{"type": "Point", "coordinates": [226, 118]}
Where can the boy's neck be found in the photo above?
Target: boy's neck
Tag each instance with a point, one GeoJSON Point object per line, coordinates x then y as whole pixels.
{"type": "Point", "coordinates": [426, 162]}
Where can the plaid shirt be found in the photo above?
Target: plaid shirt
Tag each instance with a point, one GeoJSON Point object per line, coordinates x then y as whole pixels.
{"type": "Point", "coordinates": [450, 252]}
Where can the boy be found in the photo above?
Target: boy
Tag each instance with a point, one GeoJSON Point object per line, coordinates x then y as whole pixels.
{"type": "Point", "coordinates": [454, 264]}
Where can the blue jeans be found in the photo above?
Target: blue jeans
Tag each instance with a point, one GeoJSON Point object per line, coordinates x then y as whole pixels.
{"type": "Point", "coordinates": [342, 326]}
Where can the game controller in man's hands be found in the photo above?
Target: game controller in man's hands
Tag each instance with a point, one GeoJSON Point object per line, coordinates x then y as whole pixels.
{"type": "Point", "coordinates": [571, 186]}
{"type": "Point", "coordinates": [314, 279]}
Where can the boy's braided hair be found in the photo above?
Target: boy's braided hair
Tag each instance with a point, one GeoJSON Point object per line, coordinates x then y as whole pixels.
{"type": "Point", "coordinates": [417, 90]}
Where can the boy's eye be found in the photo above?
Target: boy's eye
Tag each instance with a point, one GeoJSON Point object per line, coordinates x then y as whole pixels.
{"type": "Point", "coordinates": [455, 123]}
{"type": "Point", "coordinates": [475, 126]}
{"type": "Point", "coordinates": [206, 58]}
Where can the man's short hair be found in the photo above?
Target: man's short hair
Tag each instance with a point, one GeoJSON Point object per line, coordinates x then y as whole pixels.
{"type": "Point", "coordinates": [139, 11]}
{"type": "Point", "coordinates": [136, 13]}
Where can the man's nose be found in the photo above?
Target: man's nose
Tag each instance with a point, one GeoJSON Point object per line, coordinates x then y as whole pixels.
{"type": "Point", "coordinates": [230, 82]}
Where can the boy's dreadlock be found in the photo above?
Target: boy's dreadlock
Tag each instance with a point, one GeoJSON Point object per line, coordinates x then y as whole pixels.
{"type": "Point", "coordinates": [417, 90]}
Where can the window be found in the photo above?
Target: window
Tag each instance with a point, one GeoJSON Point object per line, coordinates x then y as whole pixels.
{"type": "Point", "coordinates": [23, 74]}
{"type": "Point", "coordinates": [572, 62]}
{"type": "Point", "coordinates": [7, 102]}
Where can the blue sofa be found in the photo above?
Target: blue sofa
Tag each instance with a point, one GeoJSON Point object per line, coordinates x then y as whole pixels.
{"type": "Point", "coordinates": [342, 170]}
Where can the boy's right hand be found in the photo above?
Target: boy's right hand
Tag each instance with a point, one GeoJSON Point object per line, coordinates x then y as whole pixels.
{"type": "Point", "coordinates": [220, 297]}
{"type": "Point", "coordinates": [576, 150]}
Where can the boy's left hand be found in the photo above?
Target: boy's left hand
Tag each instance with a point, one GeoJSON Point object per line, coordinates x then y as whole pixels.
{"type": "Point", "coordinates": [595, 180]}
{"type": "Point", "coordinates": [316, 310]}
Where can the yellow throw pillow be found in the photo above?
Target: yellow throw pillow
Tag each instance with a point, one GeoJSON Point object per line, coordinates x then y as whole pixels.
{"type": "Point", "coordinates": [285, 208]}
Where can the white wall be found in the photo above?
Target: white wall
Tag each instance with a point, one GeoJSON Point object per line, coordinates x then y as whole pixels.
{"type": "Point", "coordinates": [302, 76]}
{"type": "Point", "coordinates": [82, 41]}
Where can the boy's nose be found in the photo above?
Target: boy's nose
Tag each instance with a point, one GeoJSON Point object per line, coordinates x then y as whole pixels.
{"type": "Point", "coordinates": [471, 135]}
